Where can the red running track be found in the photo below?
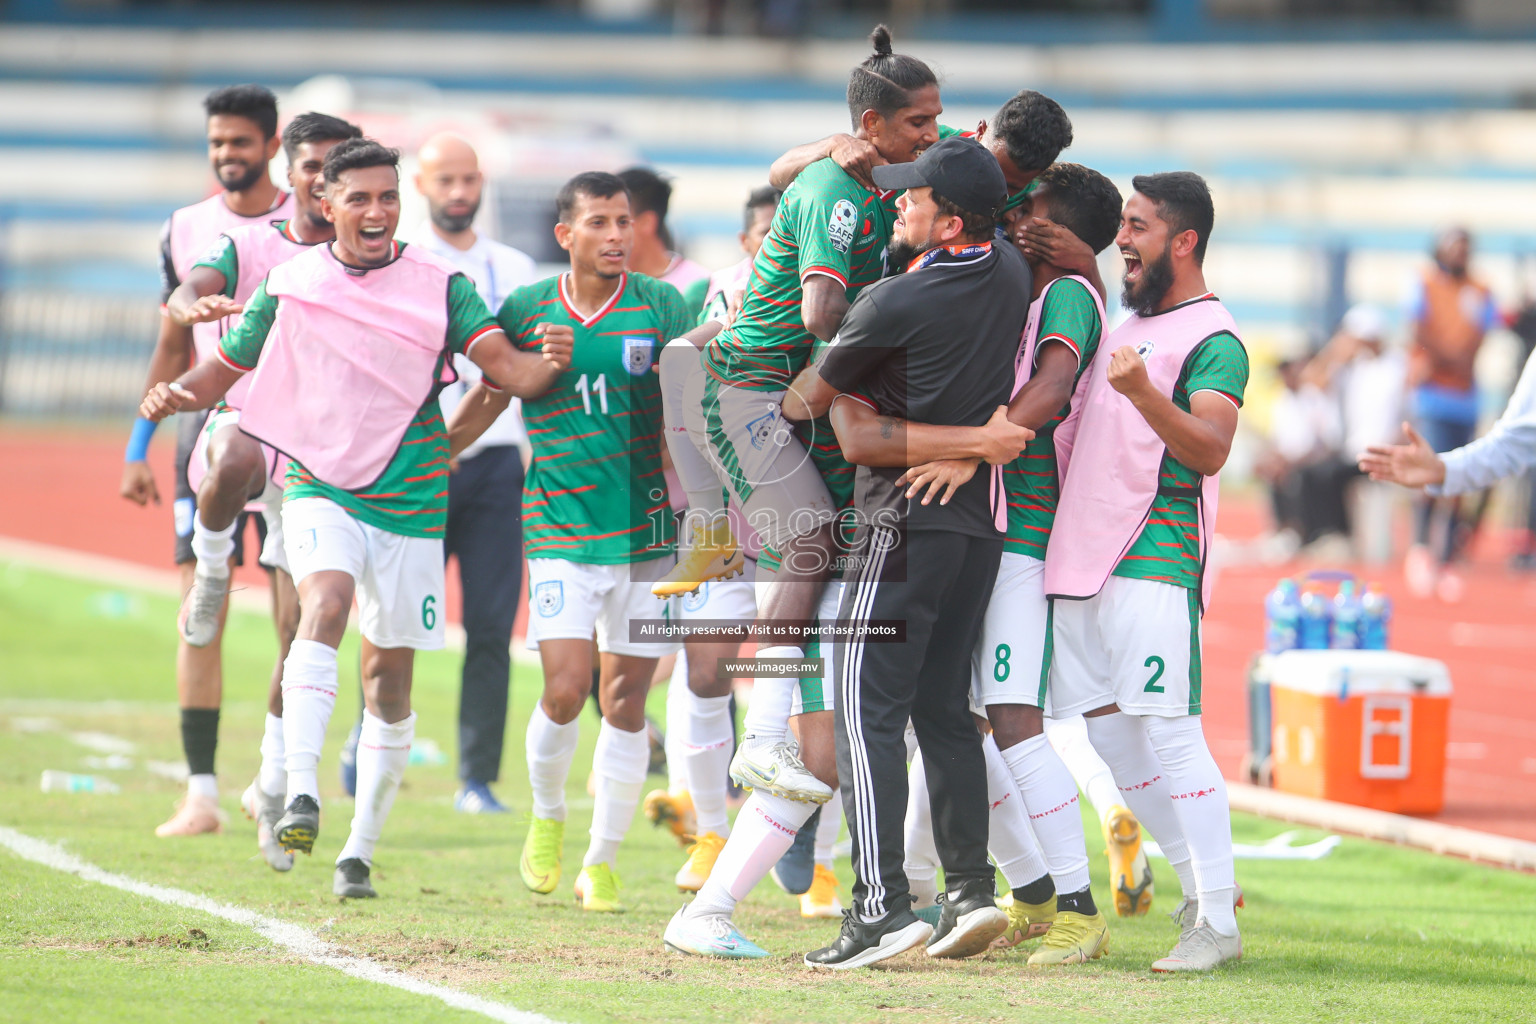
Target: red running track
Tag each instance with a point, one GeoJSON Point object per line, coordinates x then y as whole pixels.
{"type": "Point", "coordinates": [58, 485]}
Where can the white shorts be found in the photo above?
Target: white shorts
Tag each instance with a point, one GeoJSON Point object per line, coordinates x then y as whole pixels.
{"type": "Point", "coordinates": [569, 600]}
{"type": "Point", "coordinates": [1009, 664]}
{"type": "Point", "coordinates": [816, 694]}
{"type": "Point", "coordinates": [269, 503]}
{"type": "Point", "coordinates": [399, 579]}
{"type": "Point", "coordinates": [1136, 644]}
{"type": "Point", "coordinates": [758, 457]}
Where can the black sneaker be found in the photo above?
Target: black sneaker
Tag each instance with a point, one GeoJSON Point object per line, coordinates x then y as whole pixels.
{"type": "Point", "coordinates": [299, 826]}
{"type": "Point", "coordinates": [351, 881]}
{"type": "Point", "coordinates": [860, 944]}
{"type": "Point", "coordinates": [969, 919]}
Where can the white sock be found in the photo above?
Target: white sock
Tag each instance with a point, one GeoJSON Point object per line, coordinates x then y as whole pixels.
{"type": "Point", "coordinates": [619, 763]}
{"type": "Point", "coordinates": [677, 725]}
{"type": "Point", "coordinates": [309, 697]}
{"type": "Point", "coordinates": [1070, 738]}
{"type": "Point", "coordinates": [707, 754]}
{"type": "Point", "coordinates": [213, 548]}
{"type": "Point", "coordinates": [827, 829]}
{"type": "Point", "coordinates": [921, 861]}
{"type": "Point", "coordinates": [273, 777]}
{"type": "Point", "coordinates": [383, 751]}
{"type": "Point", "coordinates": [767, 719]}
{"type": "Point", "coordinates": [1050, 796]}
{"type": "Point", "coordinates": [1121, 741]}
{"type": "Point", "coordinates": [203, 785]}
{"type": "Point", "coordinates": [1010, 840]}
{"type": "Point", "coordinates": [1200, 801]}
{"type": "Point", "coordinates": [706, 497]}
{"type": "Point", "coordinates": [765, 829]}
{"type": "Point", "coordinates": [551, 749]}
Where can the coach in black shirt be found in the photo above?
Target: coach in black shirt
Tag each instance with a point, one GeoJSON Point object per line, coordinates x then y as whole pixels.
{"type": "Point", "coordinates": [934, 345]}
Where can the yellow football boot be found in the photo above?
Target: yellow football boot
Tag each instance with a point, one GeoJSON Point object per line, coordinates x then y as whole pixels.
{"type": "Point", "coordinates": [1025, 920]}
{"type": "Point", "coordinates": [820, 900]}
{"type": "Point", "coordinates": [674, 810]}
{"type": "Point", "coordinates": [714, 555]}
{"type": "Point", "coordinates": [597, 890]}
{"type": "Point", "coordinates": [1073, 939]}
{"type": "Point", "coordinates": [701, 861]}
{"type": "Point", "coordinates": [540, 864]}
{"type": "Point", "coordinates": [1130, 876]}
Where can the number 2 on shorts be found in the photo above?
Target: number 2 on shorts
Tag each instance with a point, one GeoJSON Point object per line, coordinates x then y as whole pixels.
{"type": "Point", "coordinates": [1156, 664]}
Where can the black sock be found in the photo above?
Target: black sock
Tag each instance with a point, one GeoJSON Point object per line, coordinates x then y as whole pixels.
{"type": "Point", "coordinates": [1080, 902]}
{"type": "Point", "coordinates": [1038, 891]}
{"type": "Point", "coordinates": [200, 738]}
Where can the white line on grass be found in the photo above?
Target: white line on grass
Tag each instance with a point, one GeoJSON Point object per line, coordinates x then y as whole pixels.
{"type": "Point", "coordinates": [290, 936]}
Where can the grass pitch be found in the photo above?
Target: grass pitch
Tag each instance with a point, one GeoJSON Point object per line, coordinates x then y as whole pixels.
{"type": "Point", "coordinates": [1370, 933]}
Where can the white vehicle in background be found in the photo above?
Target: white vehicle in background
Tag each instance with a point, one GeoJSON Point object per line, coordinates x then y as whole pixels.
{"type": "Point", "coordinates": [525, 154]}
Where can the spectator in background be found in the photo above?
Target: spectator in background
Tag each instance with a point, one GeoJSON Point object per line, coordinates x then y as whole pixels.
{"type": "Point", "coordinates": [1304, 438]}
{"type": "Point", "coordinates": [1368, 377]}
{"type": "Point", "coordinates": [485, 492]}
{"type": "Point", "coordinates": [649, 196]}
{"type": "Point", "coordinates": [1449, 312]}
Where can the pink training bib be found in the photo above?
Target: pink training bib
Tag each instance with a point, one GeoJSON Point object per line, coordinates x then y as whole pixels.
{"type": "Point", "coordinates": [1065, 430]}
{"type": "Point", "coordinates": [193, 229]}
{"type": "Point", "coordinates": [349, 361]}
{"type": "Point", "coordinates": [258, 248]}
{"type": "Point", "coordinates": [1111, 481]}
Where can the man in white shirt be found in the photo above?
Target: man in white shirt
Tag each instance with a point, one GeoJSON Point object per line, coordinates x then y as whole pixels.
{"type": "Point", "coordinates": [485, 492]}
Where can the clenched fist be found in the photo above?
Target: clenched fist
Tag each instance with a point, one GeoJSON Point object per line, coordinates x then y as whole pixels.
{"type": "Point", "coordinates": [1128, 371]}
{"type": "Point", "coordinates": [559, 342]}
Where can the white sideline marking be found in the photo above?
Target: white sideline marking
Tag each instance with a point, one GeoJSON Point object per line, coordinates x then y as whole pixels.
{"type": "Point", "coordinates": [290, 936]}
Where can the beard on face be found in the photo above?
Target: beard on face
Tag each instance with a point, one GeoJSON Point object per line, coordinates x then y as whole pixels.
{"type": "Point", "coordinates": [1143, 297]}
{"type": "Point", "coordinates": [248, 175]}
{"type": "Point", "coordinates": [454, 223]}
{"type": "Point", "coordinates": [898, 255]}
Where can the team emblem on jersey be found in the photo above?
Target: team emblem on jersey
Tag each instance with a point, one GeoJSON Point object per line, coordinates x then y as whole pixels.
{"type": "Point", "coordinates": [841, 225]}
{"type": "Point", "coordinates": [760, 430]}
{"type": "Point", "coordinates": [549, 598]}
{"type": "Point", "coordinates": [698, 599]}
{"type": "Point", "coordinates": [1144, 350]}
{"type": "Point", "coordinates": [637, 354]}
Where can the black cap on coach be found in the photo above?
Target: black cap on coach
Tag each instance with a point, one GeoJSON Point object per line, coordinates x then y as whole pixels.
{"type": "Point", "coordinates": [957, 168]}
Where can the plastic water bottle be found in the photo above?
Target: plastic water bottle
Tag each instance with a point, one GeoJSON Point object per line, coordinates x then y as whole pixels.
{"type": "Point", "coordinates": [1312, 628]}
{"type": "Point", "coordinates": [1282, 617]}
{"type": "Point", "coordinates": [1375, 619]}
{"type": "Point", "coordinates": [1347, 616]}
{"type": "Point", "coordinates": [69, 782]}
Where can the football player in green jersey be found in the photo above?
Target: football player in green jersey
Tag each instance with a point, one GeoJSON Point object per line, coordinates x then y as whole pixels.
{"type": "Point", "coordinates": [382, 542]}
{"type": "Point", "coordinates": [237, 465]}
{"type": "Point", "coordinates": [597, 525]}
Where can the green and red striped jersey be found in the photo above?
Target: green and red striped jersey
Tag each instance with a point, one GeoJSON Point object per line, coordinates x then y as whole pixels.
{"type": "Point", "coordinates": [827, 223]}
{"type": "Point", "coordinates": [595, 492]}
{"type": "Point", "coordinates": [1032, 482]}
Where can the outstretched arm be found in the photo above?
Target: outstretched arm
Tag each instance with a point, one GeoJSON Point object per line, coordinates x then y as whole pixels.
{"type": "Point", "coordinates": [199, 388]}
{"type": "Point", "coordinates": [856, 156]}
{"type": "Point", "coordinates": [200, 298]}
{"type": "Point", "coordinates": [871, 439]}
{"type": "Point", "coordinates": [474, 415]}
{"type": "Point", "coordinates": [525, 374]}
